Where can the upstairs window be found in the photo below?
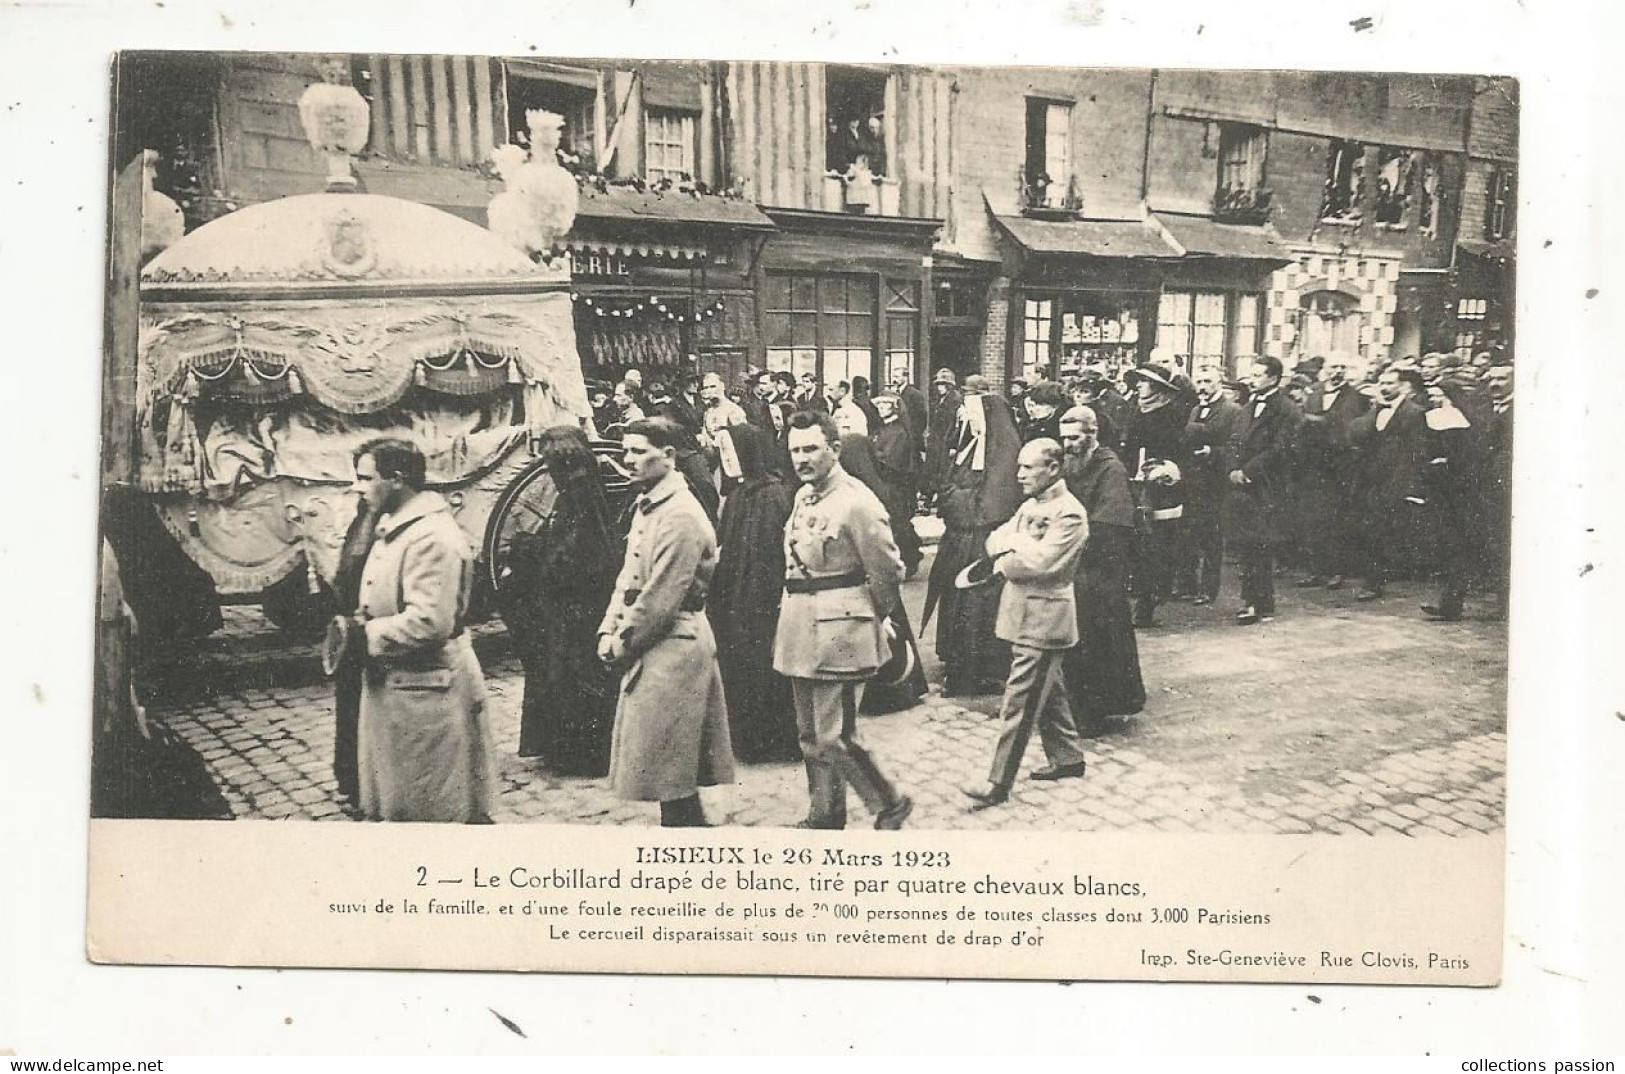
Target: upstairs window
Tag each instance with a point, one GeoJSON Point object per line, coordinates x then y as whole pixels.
{"type": "Point", "coordinates": [1048, 167]}
{"type": "Point", "coordinates": [574, 96]}
{"type": "Point", "coordinates": [1241, 195]}
{"type": "Point", "coordinates": [1345, 182]}
{"type": "Point", "coordinates": [1500, 205]}
{"type": "Point", "coordinates": [855, 114]}
{"type": "Point", "coordinates": [668, 145]}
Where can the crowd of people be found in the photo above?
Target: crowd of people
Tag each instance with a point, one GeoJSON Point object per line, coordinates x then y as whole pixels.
{"type": "Point", "coordinates": [748, 604]}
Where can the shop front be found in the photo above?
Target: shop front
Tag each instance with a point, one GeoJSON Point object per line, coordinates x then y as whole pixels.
{"type": "Point", "coordinates": [1212, 308]}
{"type": "Point", "coordinates": [665, 283]}
{"type": "Point", "coordinates": [1481, 302]}
{"type": "Point", "coordinates": [843, 296]}
{"type": "Point", "coordinates": [1084, 294]}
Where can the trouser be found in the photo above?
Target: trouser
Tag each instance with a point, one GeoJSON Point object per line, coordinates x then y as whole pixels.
{"type": "Point", "coordinates": [827, 717]}
{"type": "Point", "coordinates": [1035, 693]}
{"type": "Point", "coordinates": [1204, 550]}
{"type": "Point", "coordinates": [1153, 566]}
{"type": "Point", "coordinates": [1258, 576]}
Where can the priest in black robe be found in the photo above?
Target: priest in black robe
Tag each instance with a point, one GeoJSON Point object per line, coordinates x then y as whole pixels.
{"type": "Point", "coordinates": [1103, 670]}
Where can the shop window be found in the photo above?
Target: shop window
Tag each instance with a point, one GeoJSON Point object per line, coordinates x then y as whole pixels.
{"type": "Point", "coordinates": [574, 101]}
{"type": "Point", "coordinates": [1097, 328]}
{"type": "Point", "coordinates": [957, 301]}
{"type": "Point", "coordinates": [1047, 171]}
{"type": "Point", "coordinates": [822, 325]}
{"type": "Point", "coordinates": [1037, 316]}
{"type": "Point", "coordinates": [1500, 205]}
{"type": "Point", "coordinates": [668, 145]}
{"type": "Point", "coordinates": [1345, 182]}
{"type": "Point", "coordinates": [1241, 196]}
{"type": "Point", "coordinates": [855, 113]}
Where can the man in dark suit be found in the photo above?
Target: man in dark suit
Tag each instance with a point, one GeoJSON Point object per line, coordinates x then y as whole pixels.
{"type": "Point", "coordinates": [1258, 473]}
{"type": "Point", "coordinates": [1328, 521]}
{"type": "Point", "coordinates": [916, 410]}
{"type": "Point", "coordinates": [1211, 435]}
{"type": "Point", "coordinates": [1394, 446]}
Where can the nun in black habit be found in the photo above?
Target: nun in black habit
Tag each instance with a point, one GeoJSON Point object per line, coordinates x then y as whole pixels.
{"type": "Point", "coordinates": [978, 493]}
{"type": "Point", "coordinates": [745, 592]}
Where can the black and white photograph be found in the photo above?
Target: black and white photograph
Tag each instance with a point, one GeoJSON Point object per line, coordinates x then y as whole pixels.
{"type": "Point", "coordinates": [658, 526]}
{"type": "Point", "coordinates": [807, 445]}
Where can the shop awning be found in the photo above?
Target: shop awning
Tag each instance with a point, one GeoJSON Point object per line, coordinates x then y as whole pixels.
{"type": "Point", "coordinates": [1088, 238]}
{"type": "Point", "coordinates": [1199, 236]}
{"type": "Point", "coordinates": [630, 205]}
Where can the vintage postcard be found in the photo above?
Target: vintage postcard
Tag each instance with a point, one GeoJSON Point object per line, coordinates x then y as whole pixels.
{"type": "Point", "coordinates": [1026, 522]}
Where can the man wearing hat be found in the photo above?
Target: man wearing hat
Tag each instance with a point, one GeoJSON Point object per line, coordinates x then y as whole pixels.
{"type": "Point", "coordinates": [945, 402]}
{"type": "Point", "coordinates": [1259, 472]}
{"type": "Point", "coordinates": [1037, 552]}
{"type": "Point", "coordinates": [1154, 452]}
{"type": "Point", "coordinates": [842, 569]}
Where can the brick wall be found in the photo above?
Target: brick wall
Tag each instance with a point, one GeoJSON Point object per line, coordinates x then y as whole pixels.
{"type": "Point", "coordinates": [995, 332]}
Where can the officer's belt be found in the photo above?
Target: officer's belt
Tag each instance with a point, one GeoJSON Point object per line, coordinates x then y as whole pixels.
{"type": "Point", "coordinates": [849, 580]}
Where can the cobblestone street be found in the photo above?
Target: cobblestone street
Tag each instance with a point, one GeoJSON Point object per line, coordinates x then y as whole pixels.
{"type": "Point", "coordinates": [1336, 717]}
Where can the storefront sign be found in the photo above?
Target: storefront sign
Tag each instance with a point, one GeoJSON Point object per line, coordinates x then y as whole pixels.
{"type": "Point", "coordinates": [600, 266]}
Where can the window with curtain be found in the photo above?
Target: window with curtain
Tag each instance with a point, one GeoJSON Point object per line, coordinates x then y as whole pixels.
{"type": "Point", "coordinates": [1208, 327]}
{"type": "Point", "coordinates": [822, 325]}
{"type": "Point", "coordinates": [668, 145]}
{"type": "Point", "coordinates": [1174, 310]}
{"type": "Point", "coordinates": [1049, 154]}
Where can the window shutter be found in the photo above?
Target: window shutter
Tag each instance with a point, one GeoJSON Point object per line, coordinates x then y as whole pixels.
{"type": "Point", "coordinates": [1058, 151]}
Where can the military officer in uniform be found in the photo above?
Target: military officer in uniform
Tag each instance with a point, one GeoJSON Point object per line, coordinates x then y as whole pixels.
{"type": "Point", "coordinates": [842, 569]}
{"type": "Point", "coordinates": [1037, 551]}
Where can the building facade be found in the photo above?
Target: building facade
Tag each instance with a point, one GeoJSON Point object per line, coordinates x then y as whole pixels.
{"type": "Point", "coordinates": [880, 220]}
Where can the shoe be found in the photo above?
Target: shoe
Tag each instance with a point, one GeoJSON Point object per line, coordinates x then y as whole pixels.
{"type": "Point", "coordinates": [1202, 599]}
{"type": "Point", "coordinates": [986, 797]}
{"type": "Point", "coordinates": [1368, 595]}
{"type": "Point", "coordinates": [1247, 616]}
{"type": "Point", "coordinates": [1312, 581]}
{"type": "Point", "coordinates": [1335, 582]}
{"type": "Point", "coordinates": [812, 824]}
{"type": "Point", "coordinates": [1051, 772]}
{"type": "Point", "coordinates": [892, 817]}
{"type": "Point", "coordinates": [1441, 615]}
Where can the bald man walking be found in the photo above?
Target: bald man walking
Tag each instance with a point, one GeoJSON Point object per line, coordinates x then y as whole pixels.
{"type": "Point", "coordinates": [1037, 553]}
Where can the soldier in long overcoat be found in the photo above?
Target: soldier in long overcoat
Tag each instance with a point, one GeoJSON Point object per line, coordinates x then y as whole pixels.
{"type": "Point", "coordinates": [1256, 503]}
{"type": "Point", "coordinates": [671, 721]}
{"type": "Point", "coordinates": [424, 737]}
